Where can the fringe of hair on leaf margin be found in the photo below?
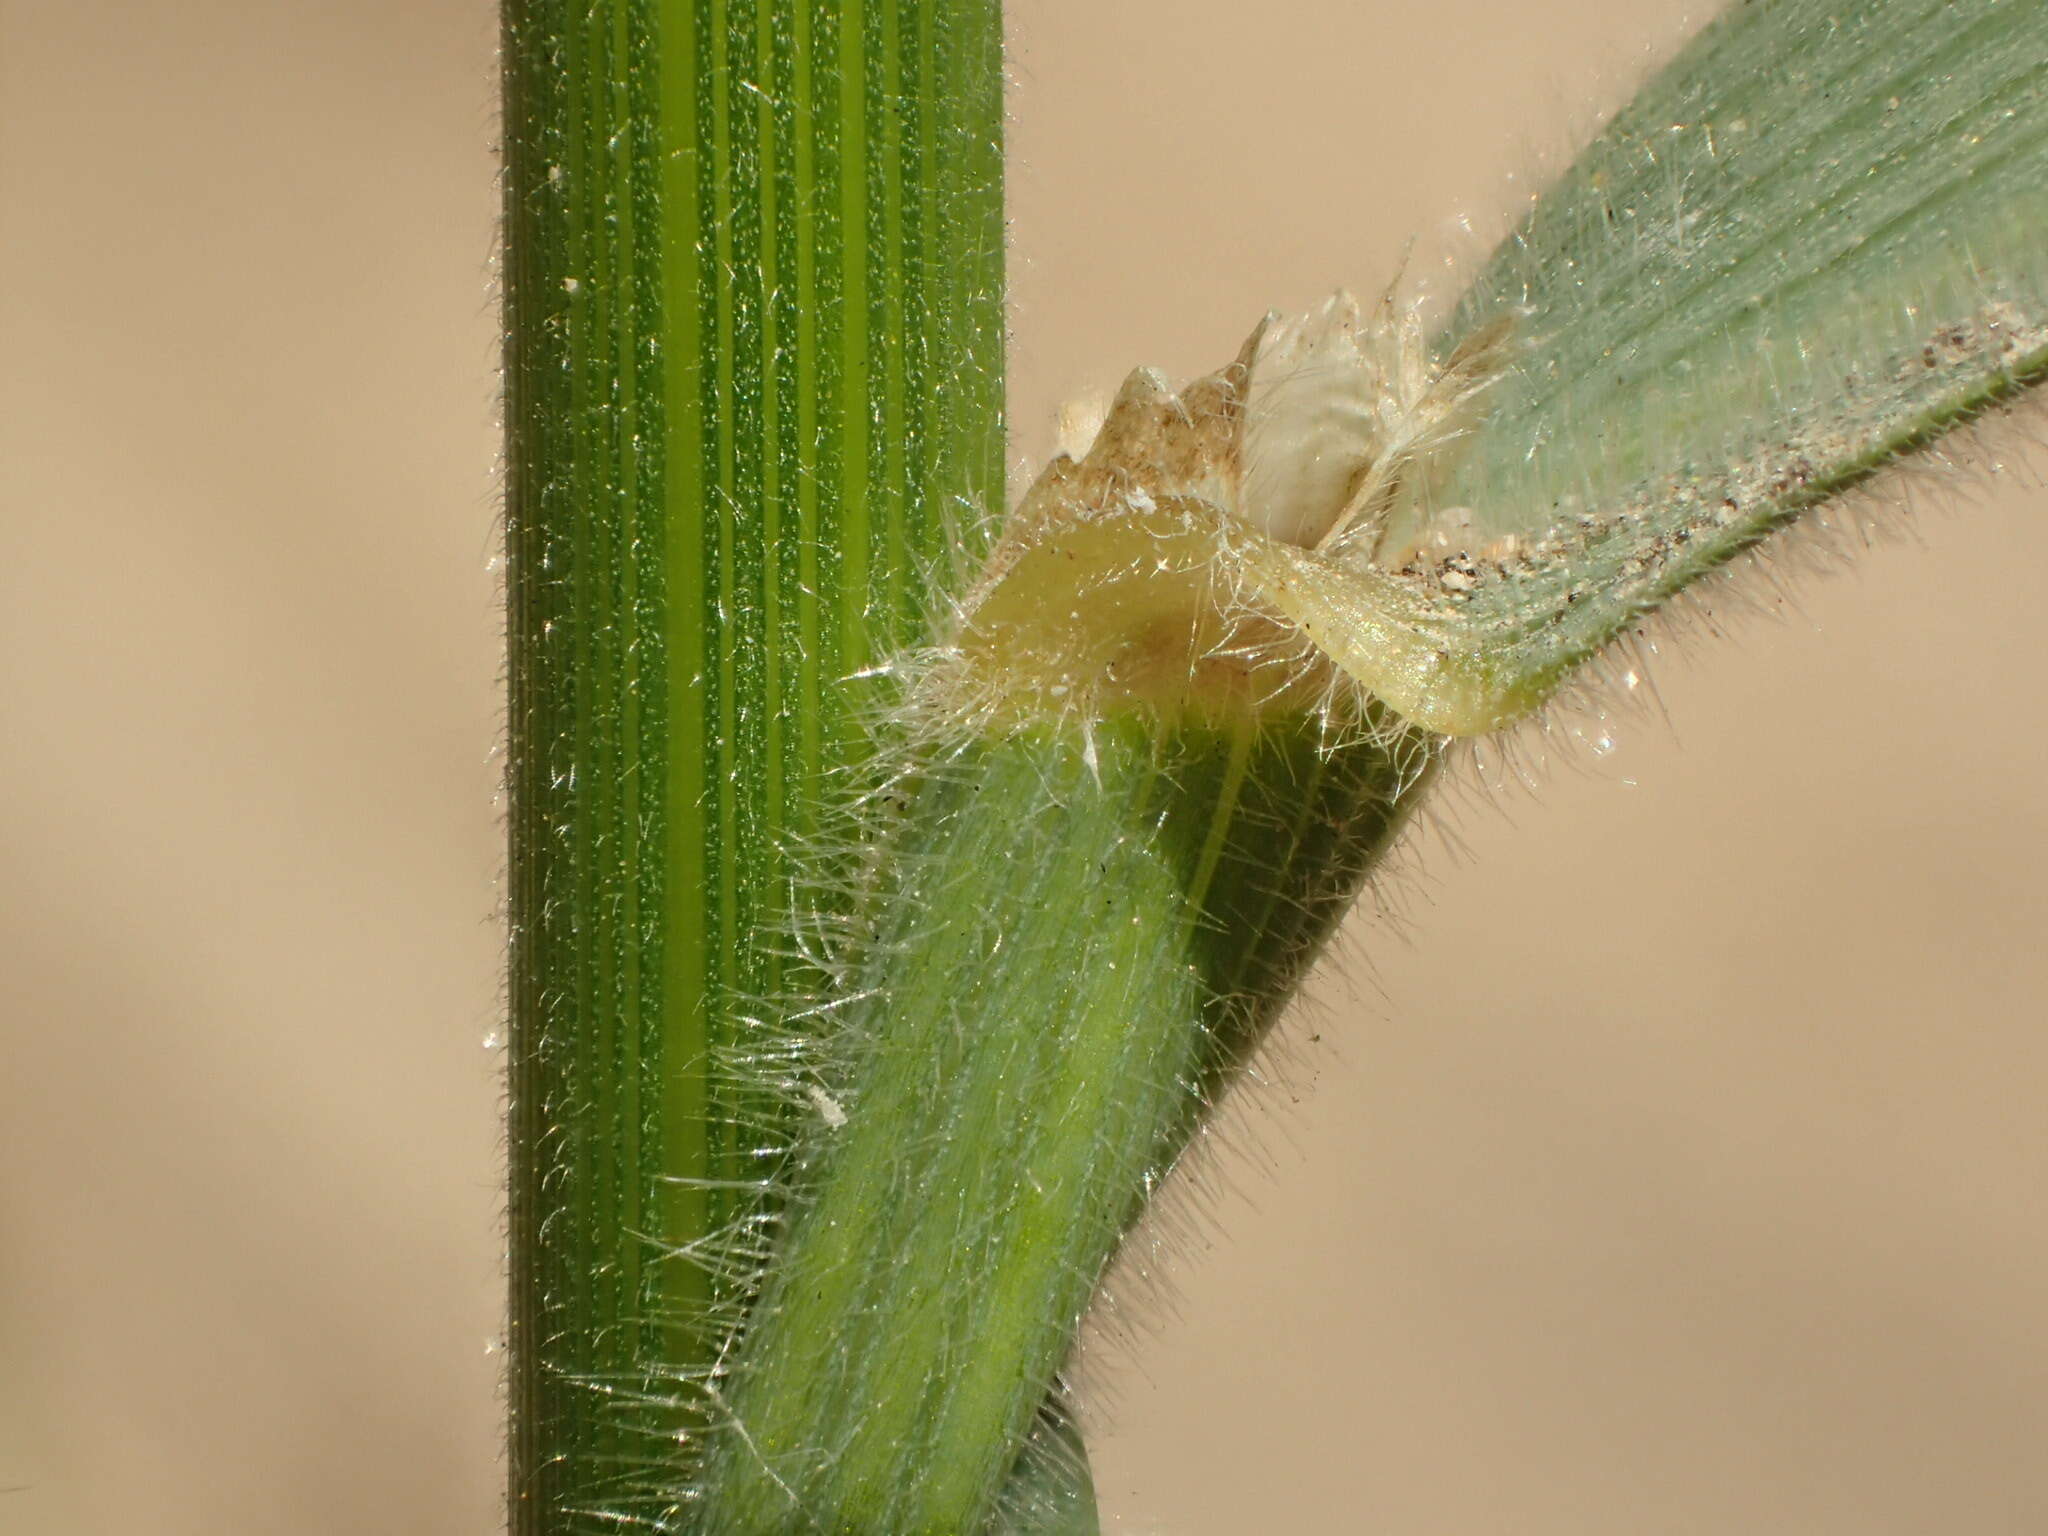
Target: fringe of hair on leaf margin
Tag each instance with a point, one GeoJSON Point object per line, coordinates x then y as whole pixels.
{"type": "Point", "coordinates": [1616, 688]}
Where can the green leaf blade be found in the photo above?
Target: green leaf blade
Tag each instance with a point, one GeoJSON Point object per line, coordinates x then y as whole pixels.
{"type": "Point", "coordinates": [1818, 240]}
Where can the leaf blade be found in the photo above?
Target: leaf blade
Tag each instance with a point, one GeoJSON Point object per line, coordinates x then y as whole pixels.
{"type": "Point", "coordinates": [1812, 244]}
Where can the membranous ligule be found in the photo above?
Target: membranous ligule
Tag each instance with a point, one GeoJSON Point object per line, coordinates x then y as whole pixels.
{"type": "Point", "coordinates": [1212, 552]}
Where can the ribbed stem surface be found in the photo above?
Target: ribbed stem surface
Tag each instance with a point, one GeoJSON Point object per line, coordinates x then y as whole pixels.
{"type": "Point", "coordinates": [754, 303]}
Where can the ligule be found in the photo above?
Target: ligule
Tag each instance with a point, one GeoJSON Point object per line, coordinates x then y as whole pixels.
{"type": "Point", "coordinates": [1213, 552]}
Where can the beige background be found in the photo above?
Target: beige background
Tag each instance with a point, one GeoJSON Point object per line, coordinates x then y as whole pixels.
{"type": "Point", "coordinates": [1676, 1169]}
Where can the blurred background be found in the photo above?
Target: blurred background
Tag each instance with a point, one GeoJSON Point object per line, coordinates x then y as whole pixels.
{"type": "Point", "coordinates": [1664, 1154]}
